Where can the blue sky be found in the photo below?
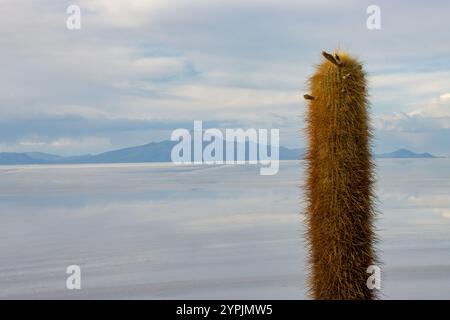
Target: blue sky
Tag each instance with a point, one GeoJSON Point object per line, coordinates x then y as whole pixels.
{"type": "Point", "coordinates": [139, 69]}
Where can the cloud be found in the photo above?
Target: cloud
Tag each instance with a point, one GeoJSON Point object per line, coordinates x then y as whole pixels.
{"type": "Point", "coordinates": [60, 146]}
{"type": "Point", "coordinates": [445, 213]}
{"type": "Point", "coordinates": [138, 63]}
{"type": "Point", "coordinates": [411, 123]}
{"type": "Point", "coordinates": [433, 116]}
{"type": "Point", "coordinates": [437, 108]}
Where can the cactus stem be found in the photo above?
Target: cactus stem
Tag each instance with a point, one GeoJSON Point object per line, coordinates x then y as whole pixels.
{"type": "Point", "coordinates": [339, 188]}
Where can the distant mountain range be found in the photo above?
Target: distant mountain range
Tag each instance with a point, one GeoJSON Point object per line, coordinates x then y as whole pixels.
{"type": "Point", "coordinates": [153, 152]}
{"type": "Point", "coordinates": [404, 153]}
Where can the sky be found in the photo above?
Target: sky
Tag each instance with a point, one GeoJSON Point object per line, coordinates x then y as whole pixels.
{"type": "Point", "coordinates": [137, 70]}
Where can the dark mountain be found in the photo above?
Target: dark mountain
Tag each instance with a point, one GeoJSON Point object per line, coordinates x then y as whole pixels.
{"type": "Point", "coordinates": [291, 154]}
{"type": "Point", "coordinates": [155, 152]}
{"type": "Point", "coordinates": [152, 152]}
{"type": "Point", "coordinates": [18, 158]}
{"type": "Point", "coordinates": [44, 157]}
{"type": "Point", "coordinates": [404, 153]}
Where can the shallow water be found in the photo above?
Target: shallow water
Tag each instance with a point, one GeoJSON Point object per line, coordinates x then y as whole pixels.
{"type": "Point", "coordinates": [161, 231]}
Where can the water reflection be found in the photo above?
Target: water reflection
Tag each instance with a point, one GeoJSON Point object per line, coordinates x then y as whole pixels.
{"type": "Point", "coordinates": [160, 231]}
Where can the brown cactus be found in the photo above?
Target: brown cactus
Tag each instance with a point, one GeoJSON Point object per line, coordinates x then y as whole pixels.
{"type": "Point", "coordinates": [339, 192]}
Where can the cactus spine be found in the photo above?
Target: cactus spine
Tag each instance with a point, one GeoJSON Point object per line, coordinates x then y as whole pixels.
{"type": "Point", "coordinates": [339, 184]}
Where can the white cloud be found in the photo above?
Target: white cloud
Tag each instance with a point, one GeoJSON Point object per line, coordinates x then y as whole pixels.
{"type": "Point", "coordinates": [437, 108]}
{"type": "Point", "coordinates": [60, 146]}
{"type": "Point", "coordinates": [224, 60]}
{"type": "Point", "coordinates": [122, 14]}
{"type": "Point", "coordinates": [434, 115]}
{"type": "Point", "coordinates": [138, 13]}
{"type": "Point", "coordinates": [445, 213]}
{"type": "Point", "coordinates": [32, 143]}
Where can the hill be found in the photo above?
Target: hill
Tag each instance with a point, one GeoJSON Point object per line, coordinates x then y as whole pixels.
{"type": "Point", "coordinates": [156, 152]}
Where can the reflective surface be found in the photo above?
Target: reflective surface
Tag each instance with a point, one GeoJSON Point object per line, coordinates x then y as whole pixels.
{"type": "Point", "coordinates": [161, 231]}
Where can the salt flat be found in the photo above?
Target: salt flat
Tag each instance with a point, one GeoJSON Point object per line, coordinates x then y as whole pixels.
{"type": "Point", "coordinates": [159, 231]}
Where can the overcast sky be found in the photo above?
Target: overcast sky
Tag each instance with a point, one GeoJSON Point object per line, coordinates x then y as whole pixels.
{"type": "Point", "coordinates": [139, 69]}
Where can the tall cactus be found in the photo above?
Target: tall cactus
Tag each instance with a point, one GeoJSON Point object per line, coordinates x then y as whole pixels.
{"type": "Point", "coordinates": [339, 185]}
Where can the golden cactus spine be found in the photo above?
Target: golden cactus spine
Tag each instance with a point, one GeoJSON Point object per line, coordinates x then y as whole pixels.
{"type": "Point", "coordinates": [339, 184]}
